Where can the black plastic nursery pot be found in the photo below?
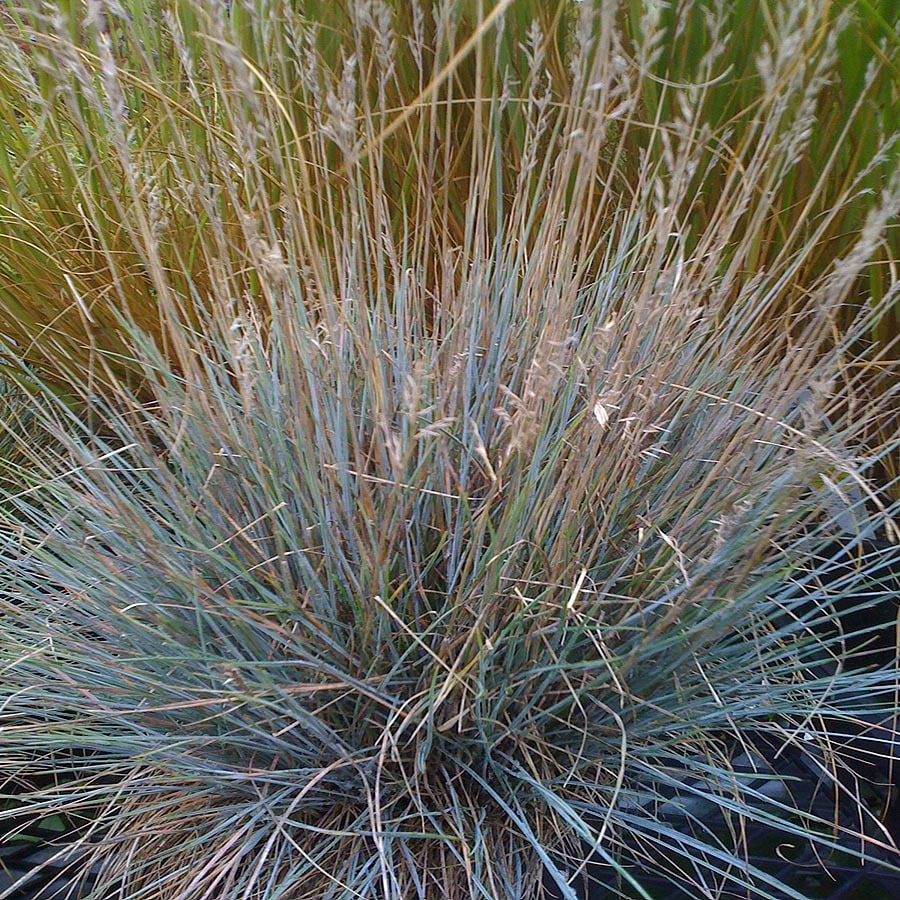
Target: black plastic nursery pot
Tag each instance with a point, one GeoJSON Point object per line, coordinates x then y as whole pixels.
{"type": "Point", "coordinates": [862, 864]}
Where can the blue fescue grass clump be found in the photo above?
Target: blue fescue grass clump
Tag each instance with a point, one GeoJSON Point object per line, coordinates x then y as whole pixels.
{"type": "Point", "coordinates": [350, 606]}
{"type": "Point", "coordinates": [413, 561]}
